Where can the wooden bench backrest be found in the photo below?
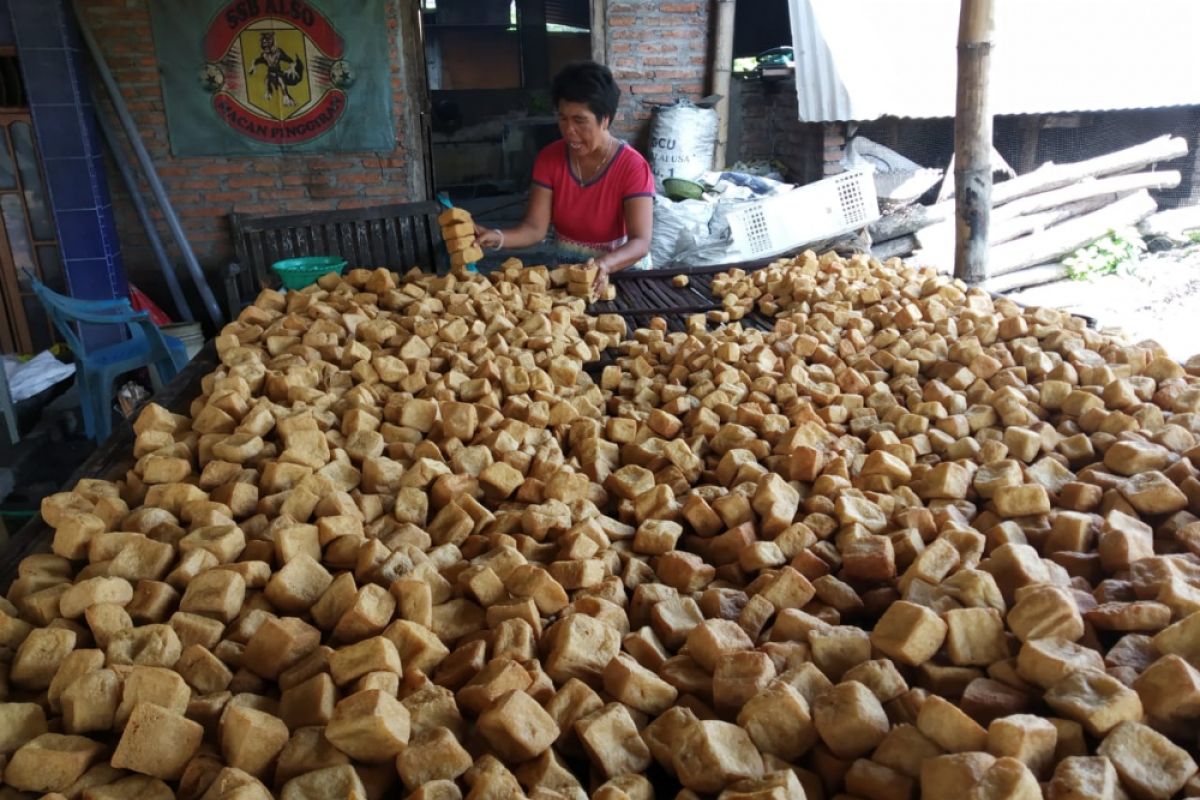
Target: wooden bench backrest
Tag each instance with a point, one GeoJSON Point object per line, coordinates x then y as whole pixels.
{"type": "Point", "coordinates": [399, 237]}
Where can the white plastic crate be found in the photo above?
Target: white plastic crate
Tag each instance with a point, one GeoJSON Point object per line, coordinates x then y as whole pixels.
{"type": "Point", "coordinates": [822, 210]}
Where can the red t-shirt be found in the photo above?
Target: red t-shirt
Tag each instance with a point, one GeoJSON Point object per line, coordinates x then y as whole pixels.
{"type": "Point", "coordinates": [592, 213]}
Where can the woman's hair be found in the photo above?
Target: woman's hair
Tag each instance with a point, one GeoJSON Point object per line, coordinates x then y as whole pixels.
{"type": "Point", "coordinates": [587, 82]}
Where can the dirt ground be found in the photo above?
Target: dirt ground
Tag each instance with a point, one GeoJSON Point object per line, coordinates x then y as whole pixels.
{"type": "Point", "coordinates": [1158, 298]}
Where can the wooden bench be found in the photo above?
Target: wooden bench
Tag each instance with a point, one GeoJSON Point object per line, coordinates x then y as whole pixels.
{"type": "Point", "coordinates": [399, 237]}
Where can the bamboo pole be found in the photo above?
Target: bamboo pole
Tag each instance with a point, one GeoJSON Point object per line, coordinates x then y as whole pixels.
{"type": "Point", "coordinates": [723, 77]}
{"type": "Point", "coordinates": [600, 31]}
{"type": "Point", "coordinates": [973, 142]}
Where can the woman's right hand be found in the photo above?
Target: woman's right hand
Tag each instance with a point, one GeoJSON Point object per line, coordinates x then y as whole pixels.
{"type": "Point", "coordinates": [488, 238]}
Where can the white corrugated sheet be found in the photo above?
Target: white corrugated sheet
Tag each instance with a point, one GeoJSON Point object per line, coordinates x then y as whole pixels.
{"type": "Point", "coordinates": [863, 59]}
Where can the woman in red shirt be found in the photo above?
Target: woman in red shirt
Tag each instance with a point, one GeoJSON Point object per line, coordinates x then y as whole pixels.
{"type": "Point", "coordinates": [597, 190]}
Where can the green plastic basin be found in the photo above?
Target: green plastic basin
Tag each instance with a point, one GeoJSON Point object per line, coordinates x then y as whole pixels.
{"type": "Point", "coordinates": [296, 273]}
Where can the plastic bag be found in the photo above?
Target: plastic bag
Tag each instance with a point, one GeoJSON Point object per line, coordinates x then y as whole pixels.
{"type": "Point", "coordinates": [140, 302]}
{"type": "Point", "coordinates": [674, 221]}
{"type": "Point", "coordinates": [683, 140]}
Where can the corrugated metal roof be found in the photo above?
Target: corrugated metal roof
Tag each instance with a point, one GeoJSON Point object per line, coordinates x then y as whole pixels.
{"type": "Point", "coordinates": [575, 13]}
{"type": "Point", "coordinates": [864, 59]}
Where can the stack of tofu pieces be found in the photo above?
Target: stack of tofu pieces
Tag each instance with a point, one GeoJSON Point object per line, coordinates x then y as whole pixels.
{"type": "Point", "coordinates": [458, 231]}
{"type": "Point", "coordinates": [581, 280]}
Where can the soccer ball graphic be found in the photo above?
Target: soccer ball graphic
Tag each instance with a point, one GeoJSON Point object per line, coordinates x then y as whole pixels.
{"type": "Point", "coordinates": [341, 74]}
{"type": "Point", "coordinates": [212, 78]}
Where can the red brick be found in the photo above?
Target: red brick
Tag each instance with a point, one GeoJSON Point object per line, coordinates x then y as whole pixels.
{"type": "Point", "coordinates": [226, 197]}
{"type": "Point", "coordinates": [323, 192]}
{"type": "Point", "coordinates": [222, 169]}
{"type": "Point", "coordinates": [202, 211]}
{"type": "Point", "coordinates": [330, 163]}
{"type": "Point", "coordinates": [264, 180]}
{"type": "Point", "coordinates": [360, 178]}
{"type": "Point", "coordinates": [679, 8]}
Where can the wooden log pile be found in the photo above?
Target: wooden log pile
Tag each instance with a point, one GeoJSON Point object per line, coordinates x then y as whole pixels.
{"type": "Point", "coordinates": [1040, 217]}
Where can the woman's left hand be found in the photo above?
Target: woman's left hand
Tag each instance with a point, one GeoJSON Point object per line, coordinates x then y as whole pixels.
{"type": "Point", "coordinates": [601, 277]}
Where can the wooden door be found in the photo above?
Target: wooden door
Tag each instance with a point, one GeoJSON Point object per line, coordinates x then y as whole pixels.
{"type": "Point", "coordinates": [28, 237]}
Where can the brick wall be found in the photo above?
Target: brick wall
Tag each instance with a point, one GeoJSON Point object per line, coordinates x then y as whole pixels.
{"type": "Point", "coordinates": [765, 126]}
{"type": "Point", "coordinates": [206, 189]}
{"type": "Point", "coordinates": [658, 52]}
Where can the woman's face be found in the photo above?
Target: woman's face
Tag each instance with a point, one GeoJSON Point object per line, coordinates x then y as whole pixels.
{"type": "Point", "coordinates": [583, 133]}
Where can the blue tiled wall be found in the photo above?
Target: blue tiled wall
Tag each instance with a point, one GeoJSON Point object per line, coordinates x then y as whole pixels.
{"type": "Point", "coordinates": [53, 64]}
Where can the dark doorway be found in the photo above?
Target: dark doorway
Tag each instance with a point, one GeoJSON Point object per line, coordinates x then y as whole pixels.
{"type": "Point", "coordinates": [489, 65]}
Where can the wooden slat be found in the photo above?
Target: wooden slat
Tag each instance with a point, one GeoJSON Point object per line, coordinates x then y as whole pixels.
{"type": "Point", "coordinates": [258, 261]}
{"type": "Point", "coordinates": [375, 238]}
{"type": "Point", "coordinates": [394, 251]}
{"type": "Point", "coordinates": [362, 241]}
{"type": "Point", "coordinates": [411, 255]}
{"type": "Point", "coordinates": [331, 239]}
{"type": "Point", "coordinates": [346, 240]}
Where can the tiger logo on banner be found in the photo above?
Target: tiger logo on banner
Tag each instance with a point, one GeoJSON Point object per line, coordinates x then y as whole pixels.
{"type": "Point", "coordinates": [253, 77]}
{"type": "Point", "coordinates": [276, 70]}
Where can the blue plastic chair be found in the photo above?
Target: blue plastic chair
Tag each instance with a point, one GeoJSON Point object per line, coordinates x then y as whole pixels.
{"type": "Point", "coordinates": [98, 370]}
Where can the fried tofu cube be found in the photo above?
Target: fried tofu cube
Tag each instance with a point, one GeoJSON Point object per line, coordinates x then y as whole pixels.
{"type": "Point", "coordinates": [161, 687]}
{"type": "Point", "coordinates": [500, 479]}
{"type": "Point", "coordinates": [369, 726]}
{"type": "Point", "coordinates": [157, 742]}
{"type": "Point", "coordinates": [1096, 700]}
{"type": "Point", "coordinates": [203, 671]}
{"type": "Point", "coordinates": [278, 644]}
{"type": "Point", "coordinates": [418, 646]}
{"type": "Point", "coordinates": [298, 585]}
{"type": "Point", "coordinates": [432, 755]}
{"type": "Point", "coordinates": [1028, 738]}
{"type": "Point", "coordinates": [251, 739]}
{"type": "Point", "coordinates": [975, 637]}
{"type": "Point", "coordinates": [51, 762]}
{"type": "Point", "coordinates": [611, 740]}
{"type": "Point", "coordinates": [340, 781]}
{"type": "Point", "coordinates": [92, 591]}
{"type": "Point", "coordinates": [637, 687]}
{"type": "Point", "coordinates": [1044, 611]}
{"type": "Point", "coordinates": [1169, 689]}
{"type": "Point", "coordinates": [953, 775]}
{"type": "Point", "coordinates": [905, 749]}
{"type": "Point", "coordinates": [39, 655]}
{"type": "Point", "coordinates": [19, 723]}
{"type": "Point", "coordinates": [517, 727]}
{"type": "Point", "coordinates": [739, 676]}
{"type": "Point", "coordinates": [713, 754]}
{"type": "Point", "coordinates": [1148, 763]}
{"type": "Point", "coordinates": [377, 654]}
{"type": "Point", "coordinates": [1006, 779]}
{"type": "Point", "coordinates": [580, 647]}
{"type": "Point", "coordinates": [1085, 778]}
{"type": "Point", "coordinates": [779, 721]}
{"type": "Point", "coordinates": [870, 779]}
{"type": "Point", "coordinates": [1047, 661]}
{"type": "Point", "coordinates": [218, 593]}
{"type": "Point", "coordinates": [849, 719]}
{"type": "Point", "coordinates": [909, 633]}
{"type": "Point", "coordinates": [946, 725]}
{"type": "Point", "coordinates": [308, 703]}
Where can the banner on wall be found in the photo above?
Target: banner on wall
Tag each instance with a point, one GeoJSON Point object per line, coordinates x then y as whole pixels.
{"type": "Point", "coordinates": [250, 77]}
